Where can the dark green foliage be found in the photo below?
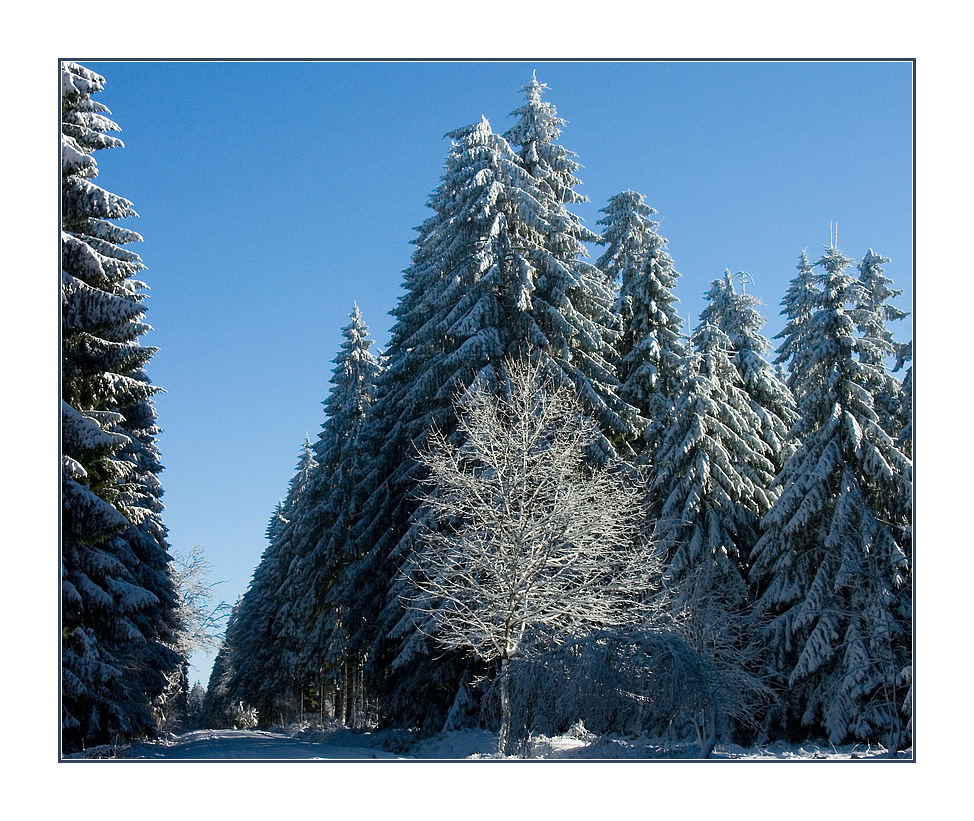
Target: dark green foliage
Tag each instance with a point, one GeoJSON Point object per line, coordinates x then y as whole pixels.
{"type": "Point", "coordinates": [119, 622]}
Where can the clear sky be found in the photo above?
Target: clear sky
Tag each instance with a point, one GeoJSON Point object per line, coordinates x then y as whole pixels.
{"type": "Point", "coordinates": [273, 196]}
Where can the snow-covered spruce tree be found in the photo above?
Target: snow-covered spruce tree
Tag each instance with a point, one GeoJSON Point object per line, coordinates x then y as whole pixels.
{"type": "Point", "coordinates": [119, 619]}
{"type": "Point", "coordinates": [248, 629]}
{"type": "Point", "coordinates": [466, 304]}
{"type": "Point", "coordinates": [552, 165]}
{"type": "Point", "coordinates": [879, 347]}
{"type": "Point", "coordinates": [497, 271]}
{"type": "Point", "coordinates": [264, 666]}
{"type": "Point", "coordinates": [282, 682]}
{"type": "Point", "coordinates": [147, 538]}
{"type": "Point", "coordinates": [571, 302]}
{"type": "Point", "coordinates": [523, 542]}
{"type": "Point", "coordinates": [797, 343]}
{"type": "Point", "coordinates": [713, 469]}
{"type": "Point", "coordinates": [649, 350]}
{"type": "Point", "coordinates": [904, 435]}
{"type": "Point", "coordinates": [737, 316]}
{"type": "Point", "coordinates": [318, 623]}
{"type": "Point", "coordinates": [193, 720]}
{"type": "Point", "coordinates": [290, 623]}
{"type": "Point", "coordinates": [833, 566]}
{"type": "Point", "coordinates": [218, 702]}
{"type": "Point", "coordinates": [628, 227]}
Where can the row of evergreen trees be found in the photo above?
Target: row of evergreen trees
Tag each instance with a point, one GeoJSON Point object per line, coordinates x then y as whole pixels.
{"type": "Point", "coordinates": [122, 636]}
{"type": "Point", "coordinates": [779, 493]}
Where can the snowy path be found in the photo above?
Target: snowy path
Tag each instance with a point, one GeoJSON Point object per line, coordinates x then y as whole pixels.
{"type": "Point", "coordinates": [248, 744]}
{"type": "Point", "coordinates": [350, 745]}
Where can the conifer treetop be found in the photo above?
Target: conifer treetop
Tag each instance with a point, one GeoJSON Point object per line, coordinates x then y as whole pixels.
{"type": "Point", "coordinates": [535, 132]}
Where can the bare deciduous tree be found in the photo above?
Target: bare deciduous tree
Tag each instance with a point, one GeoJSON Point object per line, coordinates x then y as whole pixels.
{"type": "Point", "coordinates": [202, 617]}
{"type": "Point", "coordinates": [521, 538]}
{"type": "Point", "coordinates": [201, 624]}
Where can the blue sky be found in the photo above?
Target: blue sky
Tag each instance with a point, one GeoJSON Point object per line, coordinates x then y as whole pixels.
{"type": "Point", "coordinates": [275, 195]}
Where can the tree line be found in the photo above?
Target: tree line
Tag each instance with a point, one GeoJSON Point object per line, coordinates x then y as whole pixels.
{"type": "Point", "coordinates": [545, 503]}
{"type": "Point", "coordinates": [542, 449]}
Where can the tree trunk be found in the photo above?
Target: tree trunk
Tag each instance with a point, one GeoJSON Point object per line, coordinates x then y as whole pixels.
{"type": "Point", "coordinates": [707, 738]}
{"type": "Point", "coordinates": [341, 694]}
{"type": "Point", "coordinates": [351, 694]}
{"type": "Point", "coordinates": [504, 734]}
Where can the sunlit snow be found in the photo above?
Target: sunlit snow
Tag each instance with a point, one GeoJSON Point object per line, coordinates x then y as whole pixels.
{"type": "Point", "coordinates": [339, 744]}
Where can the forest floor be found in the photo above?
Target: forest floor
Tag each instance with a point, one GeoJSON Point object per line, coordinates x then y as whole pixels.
{"type": "Point", "coordinates": [318, 743]}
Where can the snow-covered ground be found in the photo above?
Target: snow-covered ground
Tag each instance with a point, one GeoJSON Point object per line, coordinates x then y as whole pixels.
{"type": "Point", "coordinates": [581, 777]}
{"type": "Point", "coordinates": [316, 743]}
{"type": "Point", "coordinates": [229, 745]}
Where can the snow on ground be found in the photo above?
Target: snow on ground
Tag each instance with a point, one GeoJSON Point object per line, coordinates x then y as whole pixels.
{"type": "Point", "coordinates": [226, 745]}
{"type": "Point", "coordinates": [334, 743]}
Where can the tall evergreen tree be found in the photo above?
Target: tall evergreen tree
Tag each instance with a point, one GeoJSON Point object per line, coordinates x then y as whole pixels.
{"type": "Point", "coordinates": [498, 271]}
{"type": "Point", "coordinates": [904, 435]}
{"type": "Point", "coordinates": [628, 227]}
{"type": "Point", "coordinates": [713, 469]}
{"type": "Point", "coordinates": [264, 668]}
{"type": "Point", "coordinates": [552, 165]}
{"type": "Point", "coordinates": [737, 316]}
{"type": "Point", "coordinates": [119, 624]}
{"type": "Point", "coordinates": [467, 304]}
{"type": "Point", "coordinates": [712, 474]}
{"type": "Point", "coordinates": [833, 565]}
{"type": "Point", "coordinates": [650, 350]}
{"type": "Point", "coordinates": [797, 340]}
{"type": "Point", "coordinates": [288, 620]}
{"type": "Point", "coordinates": [629, 234]}
{"type": "Point", "coordinates": [319, 622]}
{"type": "Point", "coordinates": [871, 315]}
{"type": "Point", "coordinates": [218, 702]}
{"type": "Point", "coordinates": [571, 300]}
